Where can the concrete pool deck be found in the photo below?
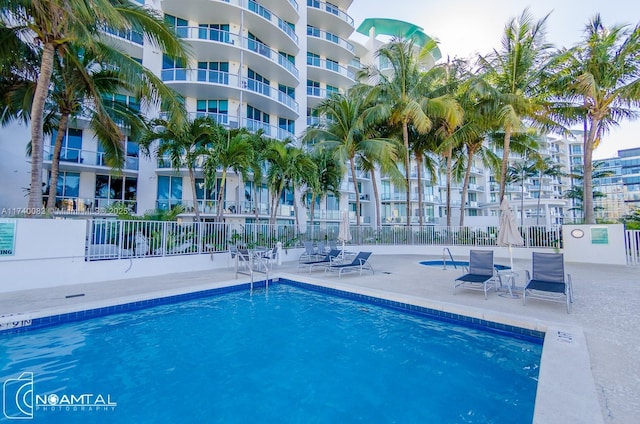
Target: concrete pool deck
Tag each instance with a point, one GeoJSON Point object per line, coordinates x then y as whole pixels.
{"type": "Point", "coordinates": [603, 327]}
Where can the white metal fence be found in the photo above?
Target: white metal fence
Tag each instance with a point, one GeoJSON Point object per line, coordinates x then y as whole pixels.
{"type": "Point", "coordinates": [632, 245]}
{"type": "Point", "coordinates": [115, 239]}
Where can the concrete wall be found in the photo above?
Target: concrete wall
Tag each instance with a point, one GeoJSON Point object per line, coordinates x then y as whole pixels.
{"type": "Point", "coordinates": [587, 243]}
{"type": "Point", "coordinates": [51, 253]}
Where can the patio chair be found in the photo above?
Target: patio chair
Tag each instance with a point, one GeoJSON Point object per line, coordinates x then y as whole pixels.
{"type": "Point", "coordinates": [321, 250]}
{"type": "Point", "coordinates": [332, 245]}
{"type": "Point", "coordinates": [328, 259]}
{"type": "Point", "coordinates": [309, 253]}
{"type": "Point", "coordinates": [548, 281]}
{"type": "Point", "coordinates": [481, 274]}
{"type": "Point", "coordinates": [360, 263]}
{"type": "Point", "coordinates": [270, 256]}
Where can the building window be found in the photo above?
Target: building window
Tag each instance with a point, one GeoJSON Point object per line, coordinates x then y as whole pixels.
{"type": "Point", "coordinates": [68, 185]}
{"type": "Point", "coordinates": [313, 31]}
{"type": "Point", "coordinates": [173, 69]}
{"type": "Point", "coordinates": [258, 83]}
{"type": "Point", "coordinates": [313, 88]}
{"type": "Point", "coordinates": [288, 126]}
{"type": "Point", "coordinates": [256, 45]}
{"type": "Point", "coordinates": [289, 91]}
{"type": "Point", "coordinates": [313, 59]}
{"type": "Point", "coordinates": [332, 65]}
{"type": "Point", "coordinates": [216, 109]}
{"type": "Point", "coordinates": [169, 192]}
{"type": "Point", "coordinates": [111, 189]}
{"type": "Point", "coordinates": [179, 25]}
{"type": "Point", "coordinates": [215, 72]}
{"type": "Point", "coordinates": [71, 145]}
{"type": "Point", "coordinates": [207, 196]}
{"type": "Point", "coordinates": [332, 90]}
{"type": "Point", "coordinates": [257, 119]}
{"type": "Point", "coordinates": [214, 32]}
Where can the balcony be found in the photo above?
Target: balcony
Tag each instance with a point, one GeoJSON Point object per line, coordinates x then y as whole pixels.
{"type": "Point", "coordinates": [329, 16]}
{"type": "Point", "coordinates": [324, 43]}
{"type": "Point", "coordinates": [130, 42]}
{"type": "Point", "coordinates": [266, 59]}
{"type": "Point", "coordinates": [315, 95]}
{"type": "Point", "coordinates": [332, 72]}
{"type": "Point", "coordinates": [78, 159]}
{"type": "Point", "coordinates": [205, 83]}
{"type": "Point", "coordinates": [267, 24]}
{"type": "Point", "coordinates": [84, 206]}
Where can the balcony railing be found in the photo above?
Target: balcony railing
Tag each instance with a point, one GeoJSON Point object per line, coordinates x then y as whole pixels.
{"type": "Point", "coordinates": [130, 35]}
{"type": "Point", "coordinates": [328, 36]}
{"type": "Point", "coordinates": [270, 16]}
{"type": "Point", "coordinates": [69, 205]}
{"type": "Point", "coordinates": [330, 8]}
{"type": "Point", "coordinates": [231, 80]}
{"type": "Point", "coordinates": [331, 66]}
{"type": "Point", "coordinates": [226, 37]}
{"type": "Point", "coordinates": [88, 157]}
{"type": "Point", "coordinates": [321, 92]}
{"type": "Point", "coordinates": [118, 239]}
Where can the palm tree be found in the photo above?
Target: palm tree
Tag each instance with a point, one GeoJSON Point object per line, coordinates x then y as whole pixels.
{"type": "Point", "coordinates": [51, 25]}
{"type": "Point", "coordinates": [576, 192]}
{"type": "Point", "coordinates": [82, 87]}
{"type": "Point", "coordinates": [257, 165]}
{"type": "Point", "coordinates": [512, 82]}
{"type": "Point", "coordinates": [183, 144]}
{"type": "Point", "coordinates": [545, 167]}
{"type": "Point", "coordinates": [231, 151]}
{"type": "Point", "coordinates": [329, 177]}
{"type": "Point", "coordinates": [288, 167]}
{"type": "Point", "coordinates": [601, 84]}
{"type": "Point", "coordinates": [345, 132]}
{"type": "Point", "coordinates": [404, 98]}
{"type": "Point", "coordinates": [520, 172]}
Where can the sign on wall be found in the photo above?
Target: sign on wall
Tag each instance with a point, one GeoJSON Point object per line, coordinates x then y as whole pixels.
{"type": "Point", "coordinates": [599, 235]}
{"type": "Point", "coordinates": [7, 237]}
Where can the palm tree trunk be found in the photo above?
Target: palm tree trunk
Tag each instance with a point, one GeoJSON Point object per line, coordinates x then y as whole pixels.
{"type": "Point", "coordinates": [420, 205]}
{"type": "Point", "coordinates": [312, 209]}
{"type": "Point", "coordinates": [448, 185]}
{"type": "Point", "coordinates": [295, 207]}
{"type": "Point", "coordinates": [505, 163]}
{"type": "Point", "coordinates": [275, 202]}
{"type": "Point", "coordinates": [405, 139]}
{"type": "Point", "coordinates": [55, 162]}
{"type": "Point", "coordinates": [256, 205]}
{"type": "Point", "coordinates": [522, 199]}
{"type": "Point", "coordinates": [221, 195]}
{"type": "Point", "coordinates": [376, 198]}
{"type": "Point", "coordinates": [539, 195]}
{"type": "Point", "coordinates": [465, 184]}
{"type": "Point", "coordinates": [192, 180]}
{"type": "Point", "coordinates": [352, 164]}
{"type": "Point", "coordinates": [37, 143]}
{"type": "Point", "coordinates": [587, 205]}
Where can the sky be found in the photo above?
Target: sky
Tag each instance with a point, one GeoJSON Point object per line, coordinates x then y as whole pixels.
{"type": "Point", "coordinates": [465, 28]}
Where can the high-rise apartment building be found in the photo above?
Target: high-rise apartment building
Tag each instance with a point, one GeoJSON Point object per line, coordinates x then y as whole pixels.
{"type": "Point", "coordinates": [266, 65]}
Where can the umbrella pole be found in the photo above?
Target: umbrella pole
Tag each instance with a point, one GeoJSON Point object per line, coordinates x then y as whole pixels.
{"type": "Point", "coordinates": [511, 258]}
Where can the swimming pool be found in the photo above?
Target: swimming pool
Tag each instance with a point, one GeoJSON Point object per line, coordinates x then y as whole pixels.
{"type": "Point", "coordinates": [450, 263]}
{"type": "Point", "coordinates": [285, 354]}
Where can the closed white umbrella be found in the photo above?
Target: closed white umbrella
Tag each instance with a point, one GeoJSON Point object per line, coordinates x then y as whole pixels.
{"type": "Point", "coordinates": [508, 234]}
{"type": "Point", "coordinates": [344, 235]}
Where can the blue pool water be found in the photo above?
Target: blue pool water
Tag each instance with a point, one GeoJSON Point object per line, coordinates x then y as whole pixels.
{"type": "Point", "coordinates": [457, 263]}
{"type": "Point", "coordinates": [279, 355]}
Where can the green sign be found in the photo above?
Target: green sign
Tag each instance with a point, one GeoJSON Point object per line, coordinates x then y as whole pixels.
{"type": "Point", "coordinates": [599, 235]}
{"type": "Point", "coordinates": [7, 237]}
